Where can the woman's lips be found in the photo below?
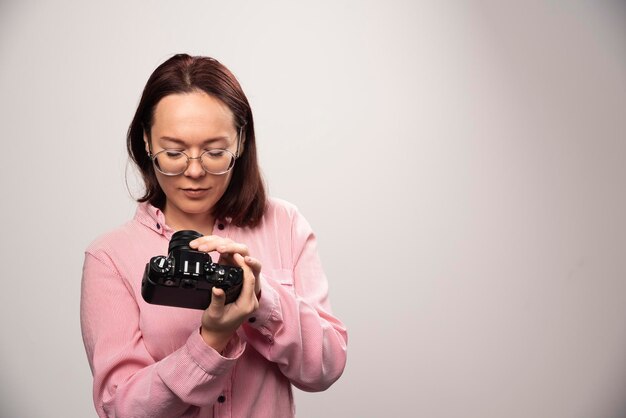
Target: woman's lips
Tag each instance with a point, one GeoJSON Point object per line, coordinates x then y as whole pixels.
{"type": "Point", "coordinates": [192, 192]}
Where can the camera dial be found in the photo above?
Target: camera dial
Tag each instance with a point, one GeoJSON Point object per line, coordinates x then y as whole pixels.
{"type": "Point", "coordinates": [161, 264]}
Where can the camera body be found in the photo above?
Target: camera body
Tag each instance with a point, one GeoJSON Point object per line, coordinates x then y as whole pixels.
{"type": "Point", "coordinates": [186, 277]}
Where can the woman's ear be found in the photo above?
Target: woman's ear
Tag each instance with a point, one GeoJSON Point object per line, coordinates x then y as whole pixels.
{"type": "Point", "coordinates": [146, 142]}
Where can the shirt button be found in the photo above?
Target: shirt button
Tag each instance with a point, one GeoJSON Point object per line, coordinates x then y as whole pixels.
{"type": "Point", "coordinates": [252, 319]}
{"type": "Point", "coordinates": [158, 226]}
{"type": "Point", "coordinates": [220, 226]}
{"type": "Point", "coordinates": [221, 399]}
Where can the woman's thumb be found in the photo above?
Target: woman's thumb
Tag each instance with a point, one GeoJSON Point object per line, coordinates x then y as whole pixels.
{"type": "Point", "coordinates": [218, 298]}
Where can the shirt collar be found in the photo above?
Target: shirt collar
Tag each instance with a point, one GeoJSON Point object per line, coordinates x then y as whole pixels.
{"type": "Point", "coordinates": [152, 217]}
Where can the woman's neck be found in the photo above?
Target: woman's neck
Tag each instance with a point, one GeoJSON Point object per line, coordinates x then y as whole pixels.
{"type": "Point", "coordinates": [177, 220]}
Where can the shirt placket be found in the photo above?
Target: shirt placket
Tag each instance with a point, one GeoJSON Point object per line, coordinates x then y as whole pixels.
{"type": "Point", "coordinates": [223, 407]}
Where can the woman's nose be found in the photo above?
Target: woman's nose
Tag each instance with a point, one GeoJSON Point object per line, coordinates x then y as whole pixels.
{"type": "Point", "coordinates": [194, 168]}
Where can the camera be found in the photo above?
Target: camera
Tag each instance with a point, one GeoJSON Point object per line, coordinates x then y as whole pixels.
{"type": "Point", "coordinates": [186, 277]}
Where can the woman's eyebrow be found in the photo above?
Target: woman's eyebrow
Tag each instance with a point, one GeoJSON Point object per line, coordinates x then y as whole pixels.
{"type": "Point", "coordinates": [206, 141]}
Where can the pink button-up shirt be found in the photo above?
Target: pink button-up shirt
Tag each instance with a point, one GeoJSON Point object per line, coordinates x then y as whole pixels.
{"type": "Point", "coordinates": [150, 360]}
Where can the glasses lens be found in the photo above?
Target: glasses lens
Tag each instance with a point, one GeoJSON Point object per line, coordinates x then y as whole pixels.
{"type": "Point", "coordinates": [218, 161]}
{"type": "Point", "coordinates": [170, 162]}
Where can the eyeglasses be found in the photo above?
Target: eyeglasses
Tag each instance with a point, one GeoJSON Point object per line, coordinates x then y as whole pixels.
{"type": "Point", "coordinates": [174, 162]}
{"type": "Point", "coordinates": [214, 161]}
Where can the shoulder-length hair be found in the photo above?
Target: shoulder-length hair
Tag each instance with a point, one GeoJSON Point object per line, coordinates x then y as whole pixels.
{"type": "Point", "coordinates": [244, 200]}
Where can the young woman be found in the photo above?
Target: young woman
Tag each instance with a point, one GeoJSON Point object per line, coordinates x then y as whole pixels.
{"type": "Point", "coordinates": [193, 140]}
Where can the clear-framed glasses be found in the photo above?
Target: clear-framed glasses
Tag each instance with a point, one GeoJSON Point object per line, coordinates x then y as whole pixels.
{"type": "Point", "coordinates": [173, 162]}
{"type": "Point", "coordinates": [214, 161]}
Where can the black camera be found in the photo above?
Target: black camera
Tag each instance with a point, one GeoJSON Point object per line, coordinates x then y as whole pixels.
{"type": "Point", "coordinates": [186, 277]}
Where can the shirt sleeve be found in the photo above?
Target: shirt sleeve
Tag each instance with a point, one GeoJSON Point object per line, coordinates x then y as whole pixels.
{"type": "Point", "coordinates": [128, 382]}
{"type": "Point", "coordinates": [294, 326]}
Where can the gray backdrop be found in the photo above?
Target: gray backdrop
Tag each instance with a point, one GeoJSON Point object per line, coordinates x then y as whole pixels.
{"type": "Point", "coordinates": [461, 162]}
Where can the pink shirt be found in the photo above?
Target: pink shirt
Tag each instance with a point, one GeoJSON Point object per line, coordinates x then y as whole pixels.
{"type": "Point", "coordinates": [150, 360]}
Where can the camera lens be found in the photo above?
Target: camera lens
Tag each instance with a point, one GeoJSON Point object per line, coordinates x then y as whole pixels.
{"type": "Point", "coordinates": [181, 239]}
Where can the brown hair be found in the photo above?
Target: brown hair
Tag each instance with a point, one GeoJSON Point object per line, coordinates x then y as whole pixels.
{"type": "Point", "coordinates": [244, 200]}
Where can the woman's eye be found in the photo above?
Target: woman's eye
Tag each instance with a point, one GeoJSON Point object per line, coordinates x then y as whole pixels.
{"type": "Point", "coordinates": [216, 153]}
{"type": "Point", "coordinates": [173, 154]}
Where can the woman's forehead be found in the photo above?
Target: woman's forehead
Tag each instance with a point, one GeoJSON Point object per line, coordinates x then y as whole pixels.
{"type": "Point", "coordinates": [191, 115]}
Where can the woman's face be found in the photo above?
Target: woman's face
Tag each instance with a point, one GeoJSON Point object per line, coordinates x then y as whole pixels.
{"type": "Point", "coordinates": [192, 123]}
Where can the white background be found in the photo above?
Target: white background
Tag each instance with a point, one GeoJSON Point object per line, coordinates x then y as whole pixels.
{"type": "Point", "coordinates": [462, 165]}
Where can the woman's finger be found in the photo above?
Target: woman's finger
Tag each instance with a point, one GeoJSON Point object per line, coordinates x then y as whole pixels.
{"type": "Point", "coordinates": [248, 289]}
{"type": "Point", "coordinates": [222, 245]}
{"type": "Point", "coordinates": [255, 266]}
{"type": "Point", "coordinates": [208, 243]}
{"type": "Point", "coordinates": [232, 248]}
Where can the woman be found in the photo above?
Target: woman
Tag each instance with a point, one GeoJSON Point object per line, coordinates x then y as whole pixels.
{"type": "Point", "coordinates": [193, 140]}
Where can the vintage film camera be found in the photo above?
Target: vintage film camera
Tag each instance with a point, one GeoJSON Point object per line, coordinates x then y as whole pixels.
{"type": "Point", "coordinates": [185, 277]}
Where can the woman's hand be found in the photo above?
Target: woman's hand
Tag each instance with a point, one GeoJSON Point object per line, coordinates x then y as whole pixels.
{"type": "Point", "coordinates": [227, 248]}
{"type": "Point", "coordinates": [221, 320]}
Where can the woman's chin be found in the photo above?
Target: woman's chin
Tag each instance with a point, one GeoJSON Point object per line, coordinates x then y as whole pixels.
{"type": "Point", "coordinates": [193, 208]}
